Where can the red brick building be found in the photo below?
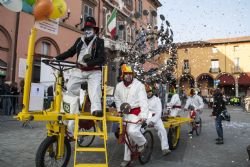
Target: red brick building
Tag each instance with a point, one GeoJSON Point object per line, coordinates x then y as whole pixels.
{"type": "Point", "coordinates": [15, 30]}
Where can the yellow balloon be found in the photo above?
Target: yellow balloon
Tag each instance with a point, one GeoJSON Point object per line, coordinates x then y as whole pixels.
{"type": "Point", "coordinates": [59, 9]}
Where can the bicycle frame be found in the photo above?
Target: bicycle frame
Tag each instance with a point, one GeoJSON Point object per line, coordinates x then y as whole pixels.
{"type": "Point", "coordinates": [193, 115]}
{"type": "Point", "coordinates": [126, 140]}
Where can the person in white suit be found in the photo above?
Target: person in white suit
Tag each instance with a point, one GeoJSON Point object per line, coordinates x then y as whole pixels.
{"type": "Point", "coordinates": [154, 120]}
{"type": "Point", "coordinates": [175, 104]}
{"type": "Point", "coordinates": [132, 91]}
{"type": "Point", "coordinates": [196, 101]}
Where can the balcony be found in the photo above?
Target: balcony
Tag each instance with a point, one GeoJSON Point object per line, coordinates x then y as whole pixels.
{"type": "Point", "coordinates": [186, 70]}
{"type": "Point", "coordinates": [236, 70]}
{"type": "Point", "coordinates": [214, 70]}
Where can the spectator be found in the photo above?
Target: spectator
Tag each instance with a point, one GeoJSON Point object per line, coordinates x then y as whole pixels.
{"type": "Point", "coordinates": [14, 96]}
{"type": "Point", "coordinates": [50, 95]}
{"type": "Point", "coordinates": [1, 92]}
{"type": "Point", "coordinates": [6, 99]}
{"type": "Point", "coordinates": [218, 107]}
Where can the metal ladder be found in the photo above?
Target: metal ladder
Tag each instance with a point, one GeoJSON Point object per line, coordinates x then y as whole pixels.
{"type": "Point", "coordinates": [101, 131]}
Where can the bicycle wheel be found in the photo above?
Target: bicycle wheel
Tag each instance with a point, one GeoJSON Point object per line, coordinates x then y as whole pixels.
{"type": "Point", "coordinates": [85, 141]}
{"type": "Point", "coordinates": [46, 153]}
{"type": "Point", "coordinates": [173, 137]}
{"type": "Point", "coordinates": [198, 127]}
{"type": "Point", "coordinates": [146, 154]}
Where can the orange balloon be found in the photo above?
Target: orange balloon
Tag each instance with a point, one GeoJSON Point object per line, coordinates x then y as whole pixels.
{"type": "Point", "coordinates": [42, 9]}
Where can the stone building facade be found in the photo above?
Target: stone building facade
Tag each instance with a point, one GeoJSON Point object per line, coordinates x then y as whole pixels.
{"type": "Point", "coordinates": [220, 63]}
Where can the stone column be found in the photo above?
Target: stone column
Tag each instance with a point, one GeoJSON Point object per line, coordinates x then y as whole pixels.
{"type": "Point", "coordinates": [236, 87]}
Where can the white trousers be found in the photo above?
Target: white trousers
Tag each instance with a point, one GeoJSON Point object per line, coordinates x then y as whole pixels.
{"type": "Point", "coordinates": [174, 112]}
{"type": "Point", "coordinates": [136, 136]}
{"type": "Point", "coordinates": [93, 79]}
{"type": "Point", "coordinates": [162, 133]}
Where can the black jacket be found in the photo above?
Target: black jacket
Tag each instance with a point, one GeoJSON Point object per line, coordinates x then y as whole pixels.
{"type": "Point", "coordinates": [219, 104]}
{"type": "Point", "coordinates": [97, 55]}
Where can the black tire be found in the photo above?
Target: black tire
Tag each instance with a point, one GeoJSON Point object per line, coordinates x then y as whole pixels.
{"type": "Point", "coordinates": [173, 137]}
{"type": "Point", "coordinates": [86, 141]}
{"type": "Point", "coordinates": [146, 154]}
{"type": "Point", "coordinates": [198, 127]}
{"type": "Point", "coordinates": [43, 151]}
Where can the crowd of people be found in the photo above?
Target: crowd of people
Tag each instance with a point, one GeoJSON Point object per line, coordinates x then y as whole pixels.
{"type": "Point", "coordinates": [9, 95]}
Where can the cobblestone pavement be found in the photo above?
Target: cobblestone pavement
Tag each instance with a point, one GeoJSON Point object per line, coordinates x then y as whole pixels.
{"type": "Point", "coordinates": [18, 145]}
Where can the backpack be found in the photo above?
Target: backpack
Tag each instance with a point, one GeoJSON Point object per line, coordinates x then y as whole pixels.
{"type": "Point", "coordinates": [225, 116]}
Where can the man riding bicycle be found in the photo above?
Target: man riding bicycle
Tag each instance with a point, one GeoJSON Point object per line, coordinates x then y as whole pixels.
{"type": "Point", "coordinates": [132, 91]}
{"type": "Point", "coordinates": [155, 112]}
{"type": "Point", "coordinates": [196, 101]}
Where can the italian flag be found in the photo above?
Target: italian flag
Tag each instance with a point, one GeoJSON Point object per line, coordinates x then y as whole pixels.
{"type": "Point", "coordinates": [112, 23]}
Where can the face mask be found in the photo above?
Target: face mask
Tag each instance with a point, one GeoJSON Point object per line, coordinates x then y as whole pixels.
{"type": "Point", "coordinates": [128, 77]}
{"type": "Point", "coordinates": [89, 32]}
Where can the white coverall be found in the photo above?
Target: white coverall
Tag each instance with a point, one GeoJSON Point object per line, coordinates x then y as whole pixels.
{"type": "Point", "coordinates": [135, 95]}
{"type": "Point", "coordinates": [198, 104]}
{"type": "Point", "coordinates": [93, 79]}
{"type": "Point", "coordinates": [155, 107]}
{"type": "Point", "coordinates": [94, 90]}
{"type": "Point", "coordinates": [175, 104]}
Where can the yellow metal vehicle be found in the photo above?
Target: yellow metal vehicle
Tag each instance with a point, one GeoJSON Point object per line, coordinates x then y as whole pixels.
{"type": "Point", "coordinates": [55, 149]}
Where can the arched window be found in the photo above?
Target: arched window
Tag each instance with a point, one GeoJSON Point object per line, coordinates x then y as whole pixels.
{"type": "Point", "coordinates": [5, 54]}
{"type": "Point", "coordinates": [45, 47]}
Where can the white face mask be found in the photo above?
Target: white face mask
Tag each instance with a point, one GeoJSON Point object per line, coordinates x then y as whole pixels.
{"type": "Point", "coordinates": [89, 32]}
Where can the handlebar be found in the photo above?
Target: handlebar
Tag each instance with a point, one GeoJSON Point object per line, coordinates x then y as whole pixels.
{"type": "Point", "coordinates": [60, 65]}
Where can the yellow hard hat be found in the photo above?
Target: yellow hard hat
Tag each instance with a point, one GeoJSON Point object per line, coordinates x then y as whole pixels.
{"type": "Point", "coordinates": [126, 68]}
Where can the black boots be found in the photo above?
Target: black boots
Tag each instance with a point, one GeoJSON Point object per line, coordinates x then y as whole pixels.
{"type": "Point", "coordinates": [219, 141]}
{"type": "Point", "coordinates": [97, 113]}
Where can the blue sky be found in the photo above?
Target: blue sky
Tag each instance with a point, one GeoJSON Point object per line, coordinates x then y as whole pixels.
{"type": "Point", "coordinates": [193, 20]}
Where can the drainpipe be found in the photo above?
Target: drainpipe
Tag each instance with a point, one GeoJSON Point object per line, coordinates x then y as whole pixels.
{"type": "Point", "coordinates": [236, 87]}
{"type": "Point", "coordinates": [14, 54]}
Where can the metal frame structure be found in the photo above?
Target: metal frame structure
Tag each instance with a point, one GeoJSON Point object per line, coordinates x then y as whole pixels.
{"type": "Point", "coordinates": [55, 118]}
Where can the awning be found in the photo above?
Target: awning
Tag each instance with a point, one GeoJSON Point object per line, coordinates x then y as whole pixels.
{"type": "Point", "coordinates": [244, 79]}
{"type": "Point", "coordinates": [226, 79]}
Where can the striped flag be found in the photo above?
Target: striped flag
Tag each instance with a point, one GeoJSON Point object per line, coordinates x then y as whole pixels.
{"type": "Point", "coordinates": [112, 23]}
